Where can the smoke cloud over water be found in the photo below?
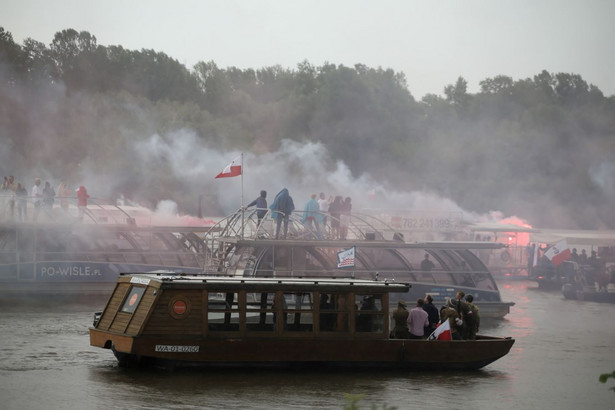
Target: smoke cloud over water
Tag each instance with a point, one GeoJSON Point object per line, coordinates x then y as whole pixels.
{"type": "Point", "coordinates": [302, 168]}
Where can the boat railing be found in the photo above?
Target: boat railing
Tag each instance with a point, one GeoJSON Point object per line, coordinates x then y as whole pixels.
{"type": "Point", "coordinates": [98, 211]}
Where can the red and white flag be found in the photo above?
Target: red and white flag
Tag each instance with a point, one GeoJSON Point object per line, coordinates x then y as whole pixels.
{"type": "Point", "coordinates": [558, 253]}
{"type": "Point", "coordinates": [231, 170]}
{"type": "Point", "coordinates": [442, 332]}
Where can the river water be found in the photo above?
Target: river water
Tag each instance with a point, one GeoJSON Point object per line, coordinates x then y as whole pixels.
{"type": "Point", "coordinates": [561, 348]}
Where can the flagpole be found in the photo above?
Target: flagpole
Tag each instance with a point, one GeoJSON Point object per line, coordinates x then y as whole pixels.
{"type": "Point", "coordinates": [242, 210]}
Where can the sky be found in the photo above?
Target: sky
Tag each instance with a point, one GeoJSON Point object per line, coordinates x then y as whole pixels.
{"type": "Point", "coordinates": [431, 42]}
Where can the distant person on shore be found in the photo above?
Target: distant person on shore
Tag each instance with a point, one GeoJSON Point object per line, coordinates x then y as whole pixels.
{"type": "Point", "coordinates": [261, 207]}
{"type": "Point", "coordinates": [282, 208]}
{"type": "Point", "coordinates": [82, 201]}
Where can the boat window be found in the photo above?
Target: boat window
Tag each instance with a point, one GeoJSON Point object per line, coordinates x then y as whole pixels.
{"type": "Point", "coordinates": [335, 318]}
{"type": "Point", "coordinates": [370, 315]}
{"type": "Point", "coordinates": [443, 278]}
{"type": "Point", "coordinates": [133, 299]}
{"type": "Point", "coordinates": [222, 311]}
{"type": "Point", "coordinates": [384, 259]}
{"type": "Point", "coordinates": [484, 281]}
{"type": "Point", "coordinates": [259, 311]}
{"type": "Point", "coordinates": [297, 312]}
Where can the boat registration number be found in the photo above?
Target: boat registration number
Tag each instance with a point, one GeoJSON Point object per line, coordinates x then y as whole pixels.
{"type": "Point", "coordinates": [177, 349]}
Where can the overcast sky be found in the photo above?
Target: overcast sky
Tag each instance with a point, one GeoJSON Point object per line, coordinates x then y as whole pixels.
{"type": "Point", "coordinates": [432, 41]}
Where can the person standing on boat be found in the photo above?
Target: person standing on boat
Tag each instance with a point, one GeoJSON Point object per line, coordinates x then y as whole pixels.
{"type": "Point", "coordinates": [37, 196]}
{"type": "Point", "coordinates": [282, 207]}
{"type": "Point", "coordinates": [465, 314]}
{"type": "Point", "coordinates": [82, 201]}
{"type": "Point", "coordinates": [311, 216]}
{"type": "Point", "coordinates": [432, 315]}
{"type": "Point", "coordinates": [21, 198]}
{"type": "Point", "coordinates": [63, 193]}
{"type": "Point", "coordinates": [418, 320]}
{"type": "Point", "coordinates": [475, 317]}
{"type": "Point", "coordinates": [261, 207]}
{"type": "Point", "coordinates": [400, 317]}
{"type": "Point", "coordinates": [345, 217]}
{"type": "Point", "coordinates": [449, 312]}
{"type": "Point", "coordinates": [426, 264]}
{"type": "Point", "coordinates": [48, 196]}
{"type": "Point", "coordinates": [323, 206]}
{"type": "Point", "coordinates": [335, 210]}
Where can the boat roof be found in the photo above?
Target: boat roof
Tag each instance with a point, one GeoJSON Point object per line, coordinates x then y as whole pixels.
{"type": "Point", "coordinates": [225, 283]}
{"type": "Point", "coordinates": [386, 244]}
{"type": "Point", "coordinates": [574, 237]}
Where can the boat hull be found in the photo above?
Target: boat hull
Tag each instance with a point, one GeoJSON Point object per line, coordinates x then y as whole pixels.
{"type": "Point", "coordinates": [319, 353]}
{"type": "Point", "coordinates": [570, 291]}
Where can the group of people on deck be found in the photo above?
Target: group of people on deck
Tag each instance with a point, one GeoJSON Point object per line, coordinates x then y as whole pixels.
{"type": "Point", "coordinates": [318, 211]}
{"type": "Point", "coordinates": [15, 198]}
{"type": "Point", "coordinates": [462, 315]}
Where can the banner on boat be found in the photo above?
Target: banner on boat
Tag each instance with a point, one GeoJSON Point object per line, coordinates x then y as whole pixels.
{"type": "Point", "coordinates": [345, 259]}
{"type": "Point", "coordinates": [558, 253]}
{"type": "Point", "coordinates": [442, 332]}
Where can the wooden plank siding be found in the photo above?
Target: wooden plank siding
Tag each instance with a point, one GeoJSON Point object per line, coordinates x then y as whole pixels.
{"type": "Point", "coordinates": [113, 306]}
{"type": "Point", "coordinates": [162, 322]}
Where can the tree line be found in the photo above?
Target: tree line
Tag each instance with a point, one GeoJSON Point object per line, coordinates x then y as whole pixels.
{"type": "Point", "coordinates": [541, 147]}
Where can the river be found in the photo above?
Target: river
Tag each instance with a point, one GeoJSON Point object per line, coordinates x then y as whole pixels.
{"type": "Point", "coordinates": [561, 348]}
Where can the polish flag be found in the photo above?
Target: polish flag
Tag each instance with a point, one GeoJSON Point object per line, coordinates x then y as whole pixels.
{"type": "Point", "coordinates": [231, 170]}
{"type": "Point", "coordinates": [558, 253]}
{"type": "Point", "coordinates": [442, 332]}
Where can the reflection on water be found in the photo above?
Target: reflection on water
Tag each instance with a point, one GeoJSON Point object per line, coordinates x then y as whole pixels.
{"type": "Point", "coordinates": [561, 348]}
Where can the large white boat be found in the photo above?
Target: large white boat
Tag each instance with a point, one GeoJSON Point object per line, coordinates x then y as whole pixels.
{"type": "Point", "coordinates": [242, 248]}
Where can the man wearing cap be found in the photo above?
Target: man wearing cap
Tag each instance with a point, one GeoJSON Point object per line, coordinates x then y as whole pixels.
{"type": "Point", "coordinates": [449, 312]}
{"type": "Point", "coordinates": [400, 317]}
{"type": "Point", "coordinates": [418, 320]}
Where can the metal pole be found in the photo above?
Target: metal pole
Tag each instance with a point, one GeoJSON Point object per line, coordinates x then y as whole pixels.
{"type": "Point", "coordinates": [242, 210]}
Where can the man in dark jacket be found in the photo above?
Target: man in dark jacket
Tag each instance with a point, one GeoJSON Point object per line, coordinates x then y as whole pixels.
{"type": "Point", "coordinates": [432, 315]}
{"type": "Point", "coordinates": [261, 206]}
{"type": "Point", "coordinates": [282, 207]}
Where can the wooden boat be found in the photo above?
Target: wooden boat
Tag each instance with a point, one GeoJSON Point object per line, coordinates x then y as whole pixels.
{"type": "Point", "coordinates": [183, 320]}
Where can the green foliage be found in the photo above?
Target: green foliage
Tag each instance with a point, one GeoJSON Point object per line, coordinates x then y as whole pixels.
{"type": "Point", "coordinates": [516, 146]}
{"type": "Point", "coordinates": [606, 376]}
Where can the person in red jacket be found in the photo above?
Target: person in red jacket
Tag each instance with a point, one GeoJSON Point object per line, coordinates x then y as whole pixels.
{"type": "Point", "coordinates": [82, 201]}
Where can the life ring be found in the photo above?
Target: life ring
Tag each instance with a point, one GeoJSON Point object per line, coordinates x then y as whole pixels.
{"type": "Point", "coordinates": [505, 256]}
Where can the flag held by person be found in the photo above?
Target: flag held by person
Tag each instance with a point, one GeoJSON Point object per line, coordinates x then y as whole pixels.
{"type": "Point", "coordinates": [442, 332]}
{"type": "Point", "coordinates": [345, 259]}
{"type": "Point", "coordinates": [231, 170]}
{"type": "Point", "coordinates": [558, 253]}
